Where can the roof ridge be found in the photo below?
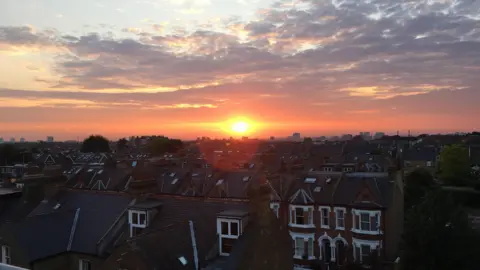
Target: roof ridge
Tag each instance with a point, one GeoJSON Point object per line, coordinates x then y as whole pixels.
{"type": "Point", "coordinates": [72, 231]}
{"type": "Point", "coordinates": [69, 211]}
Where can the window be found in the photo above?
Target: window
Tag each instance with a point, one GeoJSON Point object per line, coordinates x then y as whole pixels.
{"type": "Point", "coordinates": [301, 216]}
{"type": "Point", "coordinates": [303, 246]}
{"type": "Point", "coordinates": [324, 217]}
{"type": "Point", "coordinates": [275, 208]}
{"type": "Point", "coordinates": [6, 255]}
{"type": "Point", "coordinates": [84, 265]}
{"type": "Point", "coordinates": [429, 164]}
{"type": "Point", "coordinates": [363, 250]}
{"type": "Point", "coordinates": [347, 169]}
{"type": "Point", "coordinates": [327, 169]}
{"type": "Point", "coordinates": [366, 222]}
{"type": "Point", "coordinates": [339, 218]}
{"type": "Point", "coordinates": [228, 231]}
{"type": "Point", "coordinates": [138, 218]}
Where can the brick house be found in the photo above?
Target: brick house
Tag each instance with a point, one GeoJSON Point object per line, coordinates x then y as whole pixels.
{"type": "Point", "coordinates": [335, 217]}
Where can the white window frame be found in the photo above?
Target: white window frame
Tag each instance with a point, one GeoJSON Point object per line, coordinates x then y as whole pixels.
{"type": "Point", "coordinates": [292, 219]}
{"type": "Point", "coordinates": [275, 208]}
{"type": "Point", "coordinates": [357, 243]}
{"type": "Point", "coordinates": [321, 208]}
{"type": "Point", "coordinates": [305, 237]}
{"type": "Point", "coordinates": [429, 164]}
{"type": "Point", "coordinates": [229, 235]}
{"type": "Point", "coordinates": [336, 210]}
{"type": "Point", "coordinates": [6, 255]}
{"type": "Point", "coordinates": [371, 213]}
{"type": "Point", "coordinates": [138, 213]}
{"type": "Point", "coordinates": [84, 264]}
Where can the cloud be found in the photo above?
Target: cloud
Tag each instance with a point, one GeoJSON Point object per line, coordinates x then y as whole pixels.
{"type": "Point", "coordinates": [319, 52]}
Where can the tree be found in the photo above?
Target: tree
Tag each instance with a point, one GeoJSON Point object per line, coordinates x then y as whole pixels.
{"type": "Point", "coordinates": [9, 155]}
{"type": "Point", "coordinates": [307, 140]}
{"type": "Point", "coordinates": [95, 144]}
{"type": "Point", "coordinates": [417, 184]}
{"type": "Point", "coordinates": [438, 236]}
{"type": "Point", "coordinates": [122, 144]}
{"type": "Point", "coordinates": [161, 145]}
{"type": "Point", "coordinates": [455, 165]}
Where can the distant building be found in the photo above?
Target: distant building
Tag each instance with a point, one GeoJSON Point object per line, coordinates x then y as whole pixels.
{"type": "Point", "coordinates": [50, 139]}
{"type": "Point", "coordinates": [366, 135]}
{"type": "Point", "coordinates": [295, 137]}
{"type": "Point", "coordinates": [22, 139]}
{"type": "Point", "coordinates": [378, 135]}
{"type": "Point", "coordinates": [346, 137]}
{"type": "Point", "coordinates": [12, 140]}
{"type": "Point", "coordinates": [1, 140]}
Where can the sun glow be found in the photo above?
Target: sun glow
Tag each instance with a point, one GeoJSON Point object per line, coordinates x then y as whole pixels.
{"type": "Point", "coordinates": [240, 127]}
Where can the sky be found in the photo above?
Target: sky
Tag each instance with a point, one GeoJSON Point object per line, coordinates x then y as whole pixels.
{"type": "Point", "coordinates": [183, 68]}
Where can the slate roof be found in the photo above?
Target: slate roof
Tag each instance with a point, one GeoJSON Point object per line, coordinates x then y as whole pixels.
{"type": "Point", "coordinates": [347, 190]}
{"type": "Point", "coordinates": [42, 236]}
{"type": "Point", "coordinates": [341, 189]}
{"type": "Point", "coordinates": [171, 225]}
{"type": "Point", "coordinates": [421, 154]}
{"type": "Point", "coordinates": [13, 207]}
{"type": "Point", "coordinates": [97, 212]}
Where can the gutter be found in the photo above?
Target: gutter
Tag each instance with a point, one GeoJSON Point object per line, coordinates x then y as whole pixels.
{"type": "Point", "coordinates": [194, 245]}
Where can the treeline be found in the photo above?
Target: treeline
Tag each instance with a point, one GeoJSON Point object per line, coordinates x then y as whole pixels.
{"type": "Point", "coordinates": [155, 145]}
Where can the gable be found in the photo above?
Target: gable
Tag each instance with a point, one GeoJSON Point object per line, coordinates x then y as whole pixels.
{"type": "Point", "coordinates": [301, 197]}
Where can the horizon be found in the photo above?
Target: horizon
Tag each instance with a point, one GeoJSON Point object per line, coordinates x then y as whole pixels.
{"type": "Point", "coordinates": [188, 67]}
{"type": "Point", "coordinates": [239, 137]}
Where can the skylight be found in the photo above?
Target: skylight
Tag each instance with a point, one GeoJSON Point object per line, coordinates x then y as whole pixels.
{"type": "Point", "coordinates": [328, 180]}
{"type": "Point", "coordinates": [219, 182]}
{"type": "Point", "coordinates": [90, 170]}
{"type": "Point", "coordinates": [56, 206]}
{"type": "Point", "coordinates": [317, 189]}
{"type": "Point", "coordinates": [172, 174]}
{"type": "Point", "coordinates": [182, 260]}
{"type": "Point", "coordinates": [252, 165]}
{"type": "Point", "coordinates": [174, 181]}
{"type": "Point", "coordinates": [310, 180]}
{"type": "Point", "coordinates": [100, 172]}
{"type": "Point", "coordinates": [246, 178]}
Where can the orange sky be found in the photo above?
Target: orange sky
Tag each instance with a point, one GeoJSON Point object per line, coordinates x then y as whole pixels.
{"type": "Point", "coordinates": [314, 67]}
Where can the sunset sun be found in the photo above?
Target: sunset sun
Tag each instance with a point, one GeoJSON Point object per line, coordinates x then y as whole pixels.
{"type": "Point", "coordinates": [240, 127]}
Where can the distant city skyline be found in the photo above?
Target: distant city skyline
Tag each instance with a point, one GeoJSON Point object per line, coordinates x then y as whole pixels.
{"type": "Point", "coordinates": [226, 136]}
{"type": "Point", "coordinates": [183, 67]}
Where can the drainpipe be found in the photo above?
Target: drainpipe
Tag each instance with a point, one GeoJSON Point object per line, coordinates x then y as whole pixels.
{"type": "Point", "coordinates": [194, 245]}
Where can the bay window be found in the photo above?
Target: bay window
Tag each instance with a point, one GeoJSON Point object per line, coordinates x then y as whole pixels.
{"type": "Point", "coordinates": [301, 216]}
{"type": "Point", "coordinates": [366, 221]}
{"type": "Point", "coordinates": [302, 245]}
{"type": "Point", "coordinates": [363, 249]}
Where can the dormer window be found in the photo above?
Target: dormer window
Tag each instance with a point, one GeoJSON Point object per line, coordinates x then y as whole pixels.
{"type": "Point", "coordinates": [327, 169]}
{"type": "Point", "coordinates": [229, 229]}
{"type": "Point", "coordinates": [138, 221]}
